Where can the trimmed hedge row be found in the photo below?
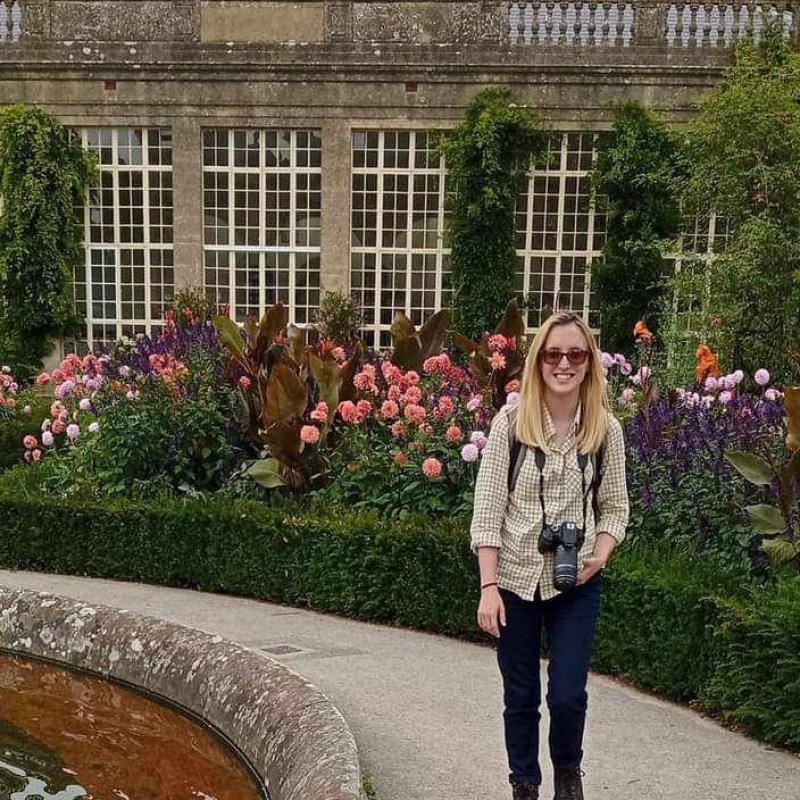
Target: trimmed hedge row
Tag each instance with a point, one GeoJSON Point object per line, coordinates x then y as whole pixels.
{"type": "Point", "coordinates": [669, 622]}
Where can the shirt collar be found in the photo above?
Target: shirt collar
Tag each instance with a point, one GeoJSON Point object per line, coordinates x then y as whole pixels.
{"type": "Point", "coordinates": [550, 428]}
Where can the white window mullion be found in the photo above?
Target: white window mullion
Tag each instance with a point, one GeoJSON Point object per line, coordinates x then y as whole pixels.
{"type": "Point", "coordinates": [409, 249]}
{"type": "Point", "coordinates": [379, 241]}
{"type": "Point", "coordinates": [590, 245]}
{"type": "Point", "coordinates": [262, 223]}
{"type": "Point", "coordinates": [146, 230]}
{"type": "Point", "coordinates": [562, 189]}
{"type": "Point", "coordinates": [442, 172]}
{"type": "Point", "coordinates": [231, 224]}
{"type": "Point", "coordinates": [117, 244]}
{"type": "Point", "coordinates": [527, 257]}
{"type": "Point", "coordinates": [292, 223]}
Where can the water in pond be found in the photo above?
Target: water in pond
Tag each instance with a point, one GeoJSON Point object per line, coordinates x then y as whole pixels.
{"type": "Point", "coordinates": [68, 736]}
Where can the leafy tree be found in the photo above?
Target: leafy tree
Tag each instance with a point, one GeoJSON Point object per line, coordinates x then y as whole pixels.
{"type": "Point", "coordinates": [43, 179]}
{"type": "Point", "coordinates": [487, 159]}
{"type": "Point", "coordinates": [744, 154]}
{"type": "Point", "coordinates": [634, 181]}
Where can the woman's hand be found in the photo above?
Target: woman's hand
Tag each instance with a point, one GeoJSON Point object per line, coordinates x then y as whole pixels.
{"type": "Point", "coordinates": [491, 611]}
{"type": "Point", "coordinates": [591, 566]}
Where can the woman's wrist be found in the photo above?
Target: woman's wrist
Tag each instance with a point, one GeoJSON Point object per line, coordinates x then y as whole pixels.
{"type": "Point", "coordinates": [488, 585]}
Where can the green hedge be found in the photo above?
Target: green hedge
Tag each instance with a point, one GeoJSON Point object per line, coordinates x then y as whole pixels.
{"type": "Point", "coordinates": [669, 622]}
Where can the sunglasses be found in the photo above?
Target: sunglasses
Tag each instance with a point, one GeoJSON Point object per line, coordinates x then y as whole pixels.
{"type": "Point", "coordinates": [575, 355]}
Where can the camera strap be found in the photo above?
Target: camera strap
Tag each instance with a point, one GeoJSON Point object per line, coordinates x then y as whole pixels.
{"type": "Point", "coordinates": [518, 451]}
{"type": "Point", "coordinates": [583, 460]}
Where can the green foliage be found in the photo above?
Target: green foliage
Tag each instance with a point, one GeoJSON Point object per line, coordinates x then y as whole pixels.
{"type": "Point", "coordinates": [754, 681]}
{"type": "Point", "coordinates": [43, 179]}
{"type": "Point", "coordinates": [634, 180]}
{"type": "Point", "coordinates": [669, 622]}
{"type": "Point", "coordinates": [368, 786]}
{"type": "Point", "coordinates": [14, 426]}
{"type": "Point", "coordinates": [699, 513]}
{"type": "Point", "coordinates": [777, 525]}
{"type": "Point", "coordinates": [190, 305]}
{"type": "Point", "coordinates": [366, 475]}
{"type": "Point", "coordinates": [338, 317]}
{"type": "Point", "coordinates": [158, 443]}
{"type": "Point", "coordinates": [744, 155]}
{"type": "Point", "coordinates": [487, 157]}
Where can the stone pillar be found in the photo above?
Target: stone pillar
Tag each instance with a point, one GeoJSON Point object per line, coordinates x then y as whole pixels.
{"type": "Point", "coordinates": [187, 181]}
{"type": "Point", "coordinates": [650, 25]}
{"type": "Point", "coordinates": [335, 256]}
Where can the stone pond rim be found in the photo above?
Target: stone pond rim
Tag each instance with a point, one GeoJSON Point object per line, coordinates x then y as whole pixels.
{"type": "Point", "coordinates": [295, 740]}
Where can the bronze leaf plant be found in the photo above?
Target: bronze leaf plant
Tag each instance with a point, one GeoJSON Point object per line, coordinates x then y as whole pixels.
{"type": "Point", "coordinates": [281, 377]}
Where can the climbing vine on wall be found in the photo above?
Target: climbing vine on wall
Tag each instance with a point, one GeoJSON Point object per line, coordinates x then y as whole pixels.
{"type": "Point", "coordinates": [43, 179]}
{"type": "Point", "coordinates": [635, 184]}
{"type": "Point", "coordinates": [487, 159]}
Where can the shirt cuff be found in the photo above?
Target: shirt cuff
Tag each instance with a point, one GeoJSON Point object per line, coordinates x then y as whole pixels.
{"type": "Point", "coordinates": [612, 528]}
{"type": "Point", "coordinates": [485, 540]}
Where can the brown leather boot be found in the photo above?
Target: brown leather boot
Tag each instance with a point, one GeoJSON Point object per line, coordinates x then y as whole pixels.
{"type": "Point", "coordinates": [569, 785]}
{"type": "Point", "coordinates": [526, 791]}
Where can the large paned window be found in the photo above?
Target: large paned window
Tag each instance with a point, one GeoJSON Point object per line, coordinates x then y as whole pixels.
{"type": "Point", "coordinates": [128, 274]}
{"type": "Point", "coordinates": [398, 257]}
{"type": "Point", "coordinates": [262, 206]}
{"type": "Point", "coordinates": [558, 232]}
{"type": "Point", "coordinates": [700, 241]}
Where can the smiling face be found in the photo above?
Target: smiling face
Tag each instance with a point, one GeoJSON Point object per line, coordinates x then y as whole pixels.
{"type": "Point", "coordinates": [563, 380]}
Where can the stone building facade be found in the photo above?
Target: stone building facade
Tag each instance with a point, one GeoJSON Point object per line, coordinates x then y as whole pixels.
{"type": "Point", "coordinates": [265, 150]}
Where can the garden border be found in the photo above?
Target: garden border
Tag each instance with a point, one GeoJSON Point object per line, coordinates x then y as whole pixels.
{"type": "Point", "coordinates": [670, 622]}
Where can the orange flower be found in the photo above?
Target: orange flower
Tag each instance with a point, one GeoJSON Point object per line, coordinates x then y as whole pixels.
{"type": "Point", "coordinates": [642, 332]}
{"type": "Point", "coordinates": [706, 363]}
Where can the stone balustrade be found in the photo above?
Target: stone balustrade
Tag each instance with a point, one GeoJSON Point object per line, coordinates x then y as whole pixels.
{"type": "Point", "coordinates": [533, 23]}
{"type": "Point", "coordinates": [10, 20]}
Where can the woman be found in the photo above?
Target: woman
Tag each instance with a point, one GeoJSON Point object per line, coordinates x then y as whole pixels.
{"type": "Point", "coordinates": [563, 414]}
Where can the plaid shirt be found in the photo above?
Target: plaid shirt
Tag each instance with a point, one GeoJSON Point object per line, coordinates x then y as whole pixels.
{"type": "Point", "coordinates": [513, 522]}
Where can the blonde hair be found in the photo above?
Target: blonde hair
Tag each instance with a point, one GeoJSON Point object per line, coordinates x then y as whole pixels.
{"type": "Point", "coordinates": [593, 399]}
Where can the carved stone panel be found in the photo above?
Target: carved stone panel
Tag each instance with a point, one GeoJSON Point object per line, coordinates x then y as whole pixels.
{"type": "Point", "coordinates": [338, 22]}
{"type": "Point", "coordinates": [34, 19]}
{"type": "Point", "coordinates": [650, 22]}
{"type": "Point", "coordinates": [424, 22]}
{"type": "Point", "coordinates": [123, 20]}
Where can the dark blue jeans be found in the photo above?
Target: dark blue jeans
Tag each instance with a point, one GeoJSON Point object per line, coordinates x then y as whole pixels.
{"type": "Point", "coordinates": [569, 620]}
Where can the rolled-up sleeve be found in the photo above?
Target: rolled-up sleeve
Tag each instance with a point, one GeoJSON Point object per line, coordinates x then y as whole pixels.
{"type": "Point", "coordinates": [613, 505]}
{"type": "Point", "coordinates": [491, 487]}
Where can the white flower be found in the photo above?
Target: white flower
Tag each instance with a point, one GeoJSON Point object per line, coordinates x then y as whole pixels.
{"type": "Point", "coordinates": [94, 427]}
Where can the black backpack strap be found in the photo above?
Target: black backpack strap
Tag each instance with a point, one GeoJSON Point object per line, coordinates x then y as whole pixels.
{"type": "Point", "coordinates": [597, 479]}
{"type": "Point", "coordinates": [516, 457]}
{"type": "Point", "coordinates": [517, 452]}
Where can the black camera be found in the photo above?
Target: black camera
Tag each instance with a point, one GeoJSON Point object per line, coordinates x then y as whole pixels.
{"type": "Point", "coordinates": [565, 540]}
